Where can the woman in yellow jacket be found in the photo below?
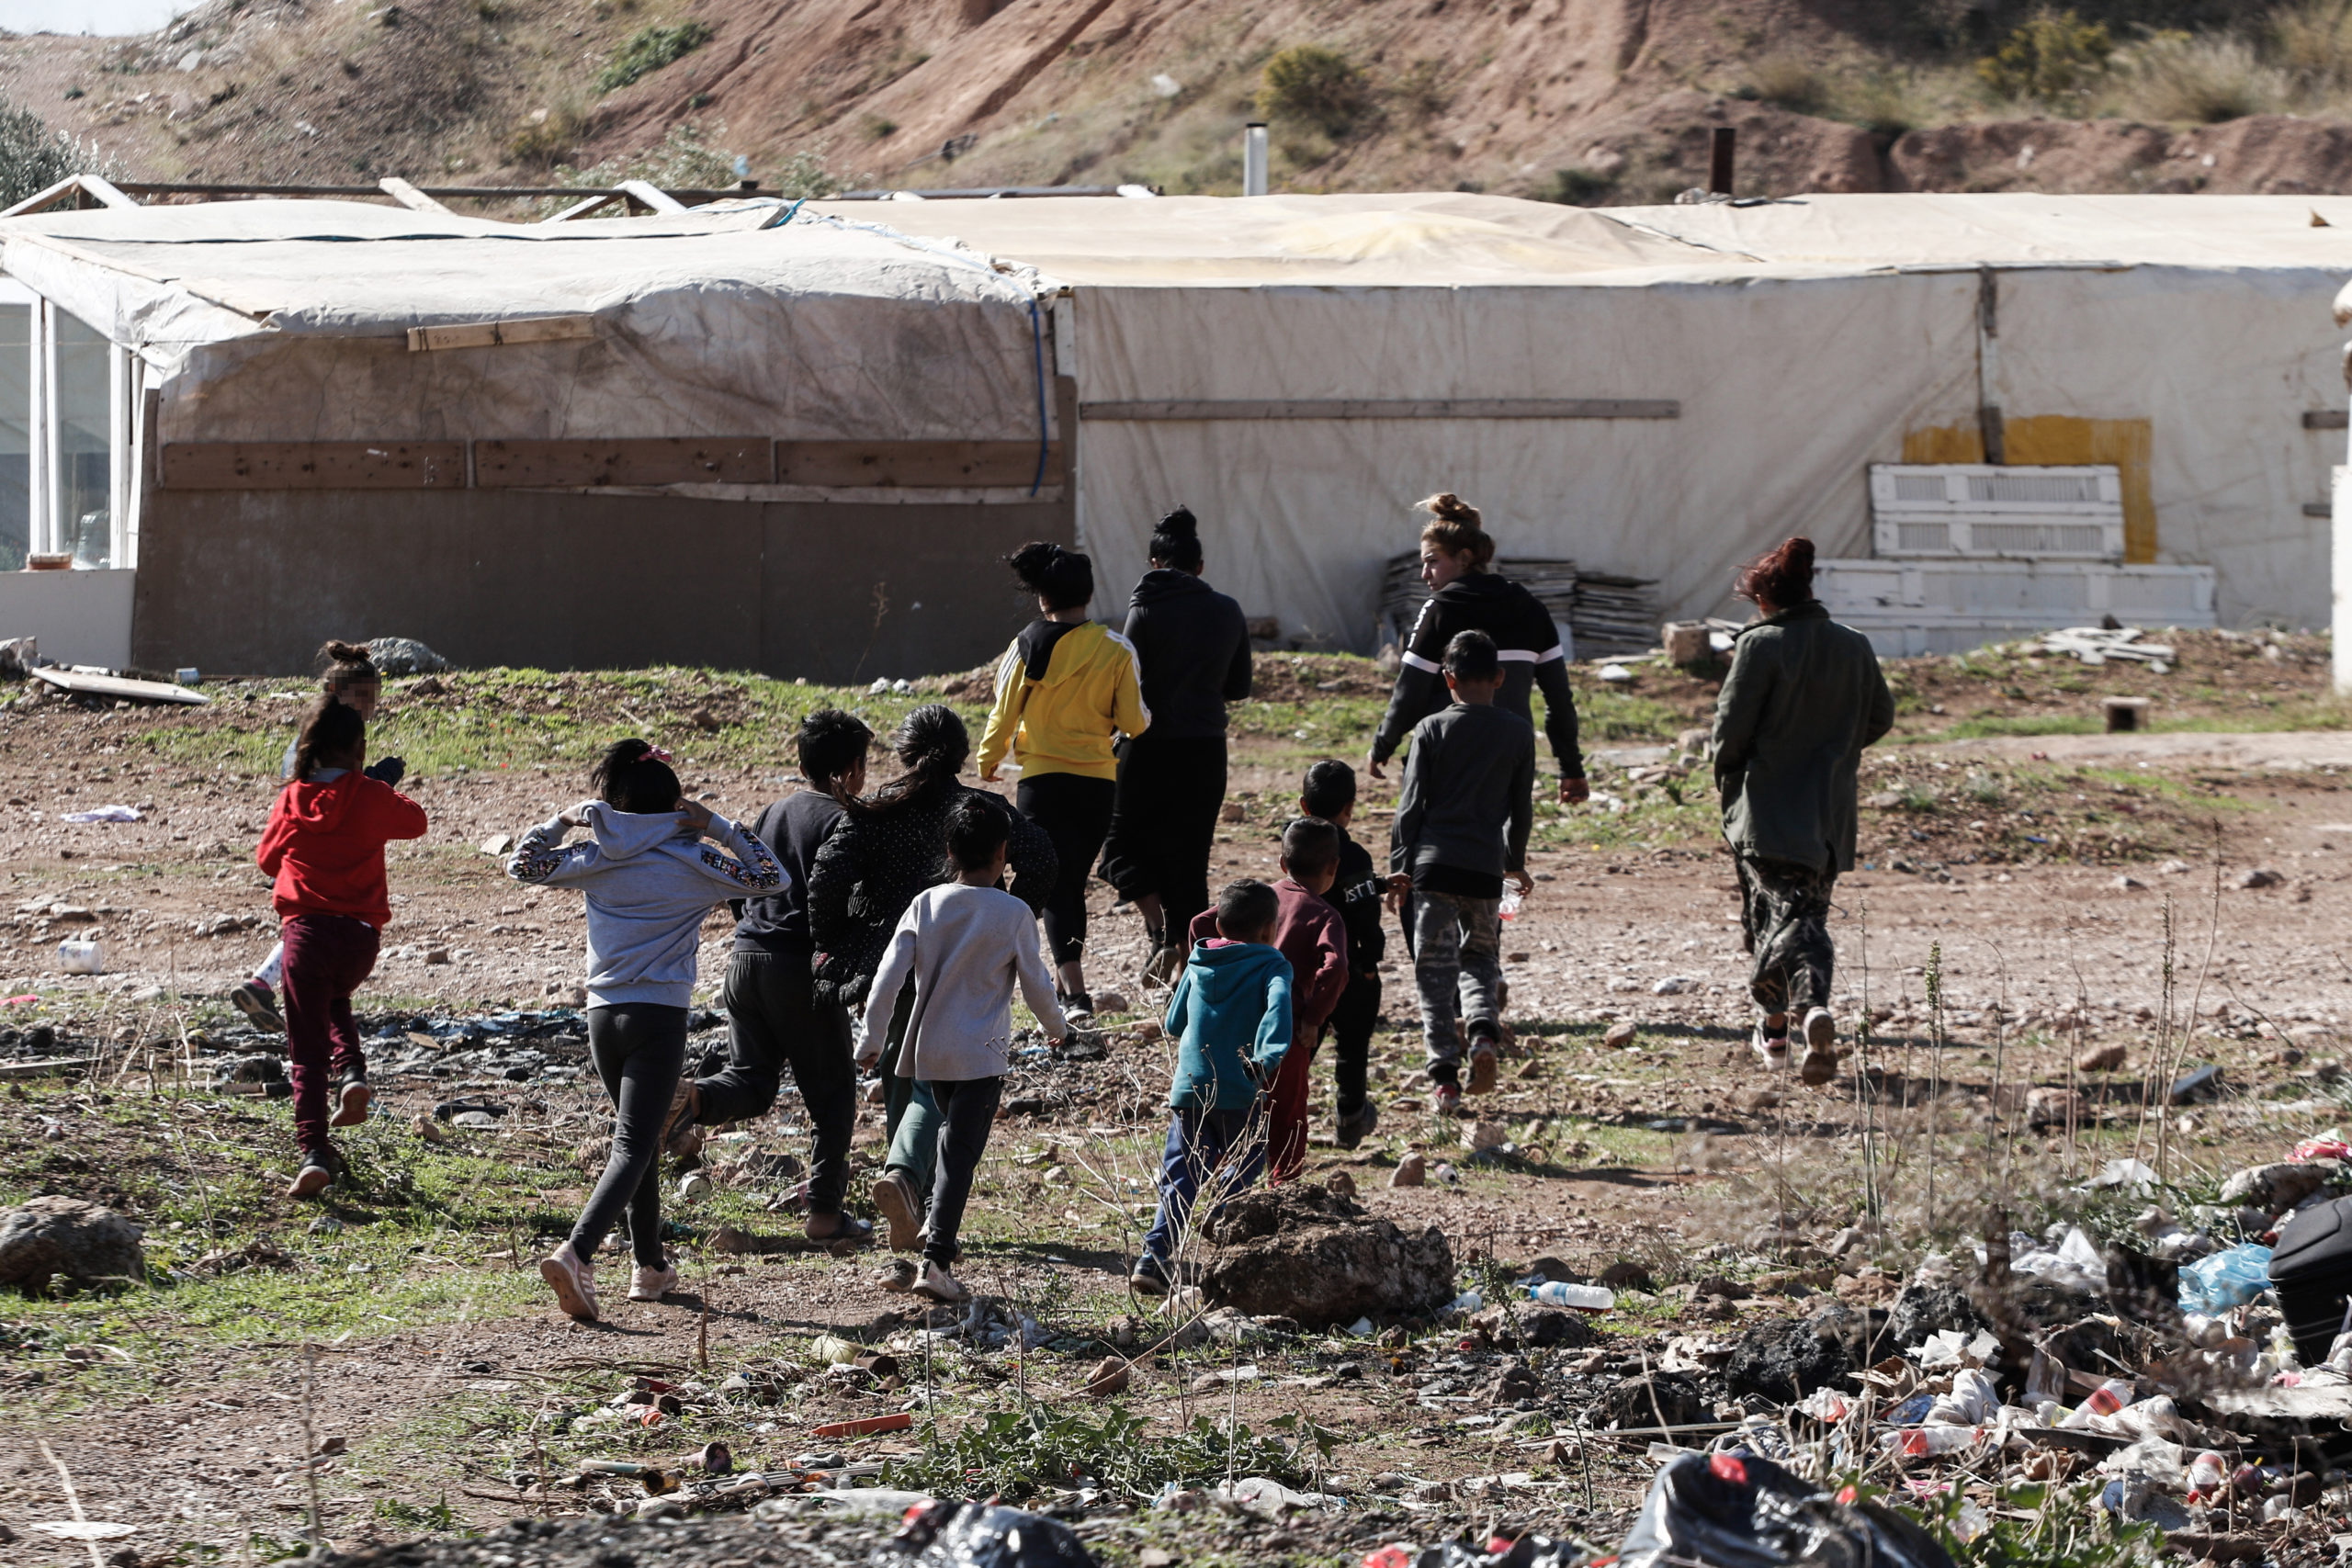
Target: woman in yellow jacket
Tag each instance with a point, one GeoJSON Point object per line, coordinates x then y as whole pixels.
{"type": "Point", "coordinates": [1067, 687]}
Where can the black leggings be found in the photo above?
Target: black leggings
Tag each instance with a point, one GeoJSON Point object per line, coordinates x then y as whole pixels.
{"type": "Point", "coordinates": [1075, 812]}
{"type": "Point", "coordinates": [638, 1048]}
{"type": "Point", "coordinates": [1163, 823]}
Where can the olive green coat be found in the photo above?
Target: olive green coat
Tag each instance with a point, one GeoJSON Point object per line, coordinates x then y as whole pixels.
{"type": "Point", "coordinates": [1804, 697]}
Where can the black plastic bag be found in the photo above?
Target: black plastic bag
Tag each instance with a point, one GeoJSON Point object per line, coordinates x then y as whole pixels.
{"type": "Point", "coordinates": [983, 1535]}
{"type": "Point", "coordinates": [1738, 1511]}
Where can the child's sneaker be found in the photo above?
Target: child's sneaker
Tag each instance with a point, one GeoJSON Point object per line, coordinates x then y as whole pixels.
{"type": "Point", "coordinates": [320, 1168]}
{"type": "Point", "coordinates": [894, 1198]}
{"type": "Point", "coordinates": [1447, 1099]}
{"type": "Point", "coordinates": [1077, 1007]}
{"type": "Point", "coordinates": [351, 1098]}
{"type": "Point", "coordinates": [1482, 1065]}
{"type": "Point", "coordinates": [1354, 1130]}
{"type": "Point", "coordinates": [1820, 1063]}
{"type": "Point", "coordinates": [1771, 1042]}
{"type": "Point", "coordinates": [1166, 963]}
{"type": "Point", "coordinates": [681, 1138]}
{"type": "Point", "coordinates": [937, 1284]}
{"type": "Point", "coordinates": [1150, 1278]}
{"type": "Point", "coordinates": [574, 1282]}
{"type": "Point", "coordinates": [651, 1284]}
{"type": "Point", "coordinates": [259, 1004]}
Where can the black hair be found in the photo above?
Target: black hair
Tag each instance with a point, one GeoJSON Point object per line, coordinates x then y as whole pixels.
{"type": "Point", "coordinates": [630, 777]}
{"type": "Point", "coordinates": [1177, 541]}
{"type": "Point", "coordinates": [932, 744]}
{"type": "Point", "coordinates": [334, 729]}
{"type": "Point", "coordinates": [345, 664]}
{"type": "Point", "coordinates": [1245, 908]}
{"type": "Point", "coordinates": [976, 831]}
{"type": "Point", "coordinates": [1330, 789]}
{"type": "Point", "coordinates": [1471, 655]}
{"type": "Point", "coordinates": [1063, 578]}
{"type": "Point", "coordinates": [1310, 845]}
{"type": "Point", "coordinates": [831, 743]}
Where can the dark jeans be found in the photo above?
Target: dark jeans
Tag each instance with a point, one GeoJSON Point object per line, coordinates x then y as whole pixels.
{"type": "Point", "coordinates": [774, 1020]}
{"type": "Point", "coordinates": [1784, 916]}
{"type": "Point", "coordinates": [1351, 1028]}
{"type": "Point", "coordinates": [1075, 812]}
{"type": "Point", "coordinates": [966, 1110]}
{"type": "Point", "coordinates": [639, 1048]}
{"type": "Point", "coordinates": [327, 957]}
{"type": "Point", "coordinates": [1224, 1150]}
{"type": "Point", "coordinates": [1163, 823]}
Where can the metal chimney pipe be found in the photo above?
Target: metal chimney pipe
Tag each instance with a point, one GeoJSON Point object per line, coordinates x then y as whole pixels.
{"type": "Point", "coordinates": [1719, 160]}
{"type": "Point", "coordinates": [1253, 158]}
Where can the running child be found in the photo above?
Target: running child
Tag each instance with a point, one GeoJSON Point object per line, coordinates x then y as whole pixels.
{"type": "Point", "coordinates": [965, 944]}
{"type": "Point", "coordinates": [351, 679]}
{"type": "Point", "coordinates": [325, 851]}
{"type": "Point", "coordinates": [1230, 1016]}
{"type": "Point", "coordinates": [1329, 793]}
{"type": "Point", "coordinates": [650, 881]}
{"type": "Point", "coordinates": [1462, 816]}
{"type": "Point", "coordinates": [1310, 934]}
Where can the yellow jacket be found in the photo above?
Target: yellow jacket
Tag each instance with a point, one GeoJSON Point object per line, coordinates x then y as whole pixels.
{"type": "Point", "coordinates": [1060, 692]}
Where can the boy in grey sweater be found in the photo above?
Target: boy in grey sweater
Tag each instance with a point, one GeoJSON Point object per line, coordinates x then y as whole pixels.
{"type": "Point", "coordinates": [964, 943]}
{"type": "Point", "coordinates": [1463, 817]}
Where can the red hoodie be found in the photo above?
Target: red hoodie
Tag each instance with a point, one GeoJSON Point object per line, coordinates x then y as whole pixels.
{"type": "Point", "coordinates": [1309, 934]}
{"type": "Point", "coordinates": [325, 845]}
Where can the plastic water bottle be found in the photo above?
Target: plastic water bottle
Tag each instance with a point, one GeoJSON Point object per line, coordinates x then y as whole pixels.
{"type": "Point", "coordinates": [1508, 908]}
{"type": "Point", "coordinates": [1584, 1298]}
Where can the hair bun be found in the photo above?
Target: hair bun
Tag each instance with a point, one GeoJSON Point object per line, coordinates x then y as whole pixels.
{"type": "Point", "coordinates": [1180, 522]}
{"type": "Point", "coordinates": [1448, 505]}
{"type": "Point", "coordinates": [1800, 554]}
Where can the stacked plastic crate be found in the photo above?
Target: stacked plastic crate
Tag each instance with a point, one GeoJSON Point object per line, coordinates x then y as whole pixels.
{"type": "Point", "coordinates": [1969, 553]}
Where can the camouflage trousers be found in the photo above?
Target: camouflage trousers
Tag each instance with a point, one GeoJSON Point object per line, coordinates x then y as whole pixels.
{"type": "Point", "coordinates": [1784, 917]}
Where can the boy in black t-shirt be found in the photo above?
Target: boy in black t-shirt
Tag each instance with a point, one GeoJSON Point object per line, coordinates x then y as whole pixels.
{"type": "Point", "coordinates": [1330, 791]}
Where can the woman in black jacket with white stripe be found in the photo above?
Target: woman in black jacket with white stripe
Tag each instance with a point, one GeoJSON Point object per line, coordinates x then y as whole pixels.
{"type": "Point", "coordinates": [1467, 595]}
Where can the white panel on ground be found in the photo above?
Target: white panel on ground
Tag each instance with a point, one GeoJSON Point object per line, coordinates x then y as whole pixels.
{"type": "Point", "coordinates": [80, 618]}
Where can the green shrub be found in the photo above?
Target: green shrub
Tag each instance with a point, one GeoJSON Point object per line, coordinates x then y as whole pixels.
{"type": "Point", "coordinates": [2201, 78]}
{"type": "Point", "coordinates": [1575, 188]}
{"type": "Point", "coordinates": [1790, 82]}
{"type": "Point", "coordinates": [2312, 40]}
{"type": "Point", "coordinates": [1320, 87]}
{"type": "Point", "coordinates": [33, 157]}
{"type": "Point", "coordinates": [648, 50]}
{"type": "Point", "coordinates": [2050, 55]}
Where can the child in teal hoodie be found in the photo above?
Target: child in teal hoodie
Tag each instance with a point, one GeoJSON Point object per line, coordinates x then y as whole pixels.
{"type": "Point", "coordinates": [1231, 1019]}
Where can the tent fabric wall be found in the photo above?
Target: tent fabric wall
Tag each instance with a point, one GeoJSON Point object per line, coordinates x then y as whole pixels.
{"type": "Point", "coordinates": [1789, 387]}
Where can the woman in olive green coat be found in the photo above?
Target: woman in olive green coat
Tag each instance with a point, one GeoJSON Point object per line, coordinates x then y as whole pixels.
{"type": "Point", "coordinates": [1804, 697]}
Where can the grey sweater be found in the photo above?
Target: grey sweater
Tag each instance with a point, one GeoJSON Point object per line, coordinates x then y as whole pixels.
{"type": "Point", "coordinates": [965, 947]}
{"type": "Point", "coordinates": [1466, 797]}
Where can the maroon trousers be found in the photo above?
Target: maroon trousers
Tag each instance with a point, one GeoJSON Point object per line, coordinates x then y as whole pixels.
{"type": "Point", "coordinates": [327, 957]}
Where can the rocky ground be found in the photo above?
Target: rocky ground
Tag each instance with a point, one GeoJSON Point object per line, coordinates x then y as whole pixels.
{"type": "Point", "coordinates": [2029, 900]}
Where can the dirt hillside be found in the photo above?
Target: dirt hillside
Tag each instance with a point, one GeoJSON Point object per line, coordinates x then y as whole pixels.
{"type": "Point", "coordinates": [1590, 101]}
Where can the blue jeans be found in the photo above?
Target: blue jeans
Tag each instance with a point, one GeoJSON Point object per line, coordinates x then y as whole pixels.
{"type": "Point", "coordinates": [1227, 1148]}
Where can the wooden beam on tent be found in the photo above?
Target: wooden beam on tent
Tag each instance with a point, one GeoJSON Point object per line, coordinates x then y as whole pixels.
{"type": "Point", "coordinates": [583, 208]}
{"type": "Point", "coordinates": [408, 196]}
{"type": "Point", "coordinates": [651, 199]}
{"type": "Point", "coordinates": [490, 335]}
{"type": "Point", "coordinates": [74, 190]}
{"type": "Point", "coordinates": [916, 465]}
{"type": "Point", "coordinates": [654, 460]}
{"type": "Point", "coordinates": [2326, 419]}
{"type": "Point", "coordinates": [1385, 407]}
{"type": "Point", "coordinates": [313, 465]}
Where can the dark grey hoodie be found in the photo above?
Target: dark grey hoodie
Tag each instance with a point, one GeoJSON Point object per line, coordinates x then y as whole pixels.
{"type": "Point", "coordinates": [1193, 647]}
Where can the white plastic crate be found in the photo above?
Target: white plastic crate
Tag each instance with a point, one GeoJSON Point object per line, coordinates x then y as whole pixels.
{"type": "Point", "coordinates": [1944, 606]}
{"type": "Point", "coordinates": [1975, 511]}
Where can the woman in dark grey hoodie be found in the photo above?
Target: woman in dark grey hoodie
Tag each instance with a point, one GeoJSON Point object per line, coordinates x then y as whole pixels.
{"type": "Point", "coordinates": [1194, 648]}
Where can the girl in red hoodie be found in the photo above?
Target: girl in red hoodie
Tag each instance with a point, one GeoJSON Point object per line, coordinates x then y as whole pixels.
{"type": "Point", "coordinates": [324, 846]}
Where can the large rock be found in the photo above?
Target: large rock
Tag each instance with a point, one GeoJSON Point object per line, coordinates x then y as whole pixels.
{"type": "Point", "coordinates": [1923, 1309]}
{"type": "Point", "coordinates": [1302, 1251]}
{"type": "Point", "coordinates": [87, 1243]}
{"type": "Point", "coordinates": [1642, 1403]}
{"type": "Point", "coordinates": [1784, 1359]}
{"type": "Point", "coordinates": [2276, 1187]}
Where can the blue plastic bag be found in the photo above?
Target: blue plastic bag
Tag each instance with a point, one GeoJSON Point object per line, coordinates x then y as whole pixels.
{"type": "Point", "coordinates": [2220, 1280]}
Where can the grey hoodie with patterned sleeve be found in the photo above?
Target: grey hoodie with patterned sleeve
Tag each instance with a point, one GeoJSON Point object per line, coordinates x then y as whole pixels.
{"type": "Point", "coordinates": [650, 880]}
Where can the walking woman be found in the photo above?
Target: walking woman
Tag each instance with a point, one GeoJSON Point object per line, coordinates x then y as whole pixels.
{"type": "Point", "coordinates": [1466, 595]}
{"type": "Point", "coordinates": [1194, 648]}
{"type": "Point", "coordinates": [889, 847]}
{"type": "Point", "coordinates": [1804, 697]}
{"type": "Point", "coordinates": [1067, 685]}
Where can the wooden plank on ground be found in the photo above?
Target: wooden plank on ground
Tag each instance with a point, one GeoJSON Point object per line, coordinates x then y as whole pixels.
{"type": "Point", "coordinates": [488, 334]}
{"type": "Point", "coordinates": [649, 460]}
{"type": "Point", "coordinates": [313, 465]}
{"type": "Point", "coordinates": [915, 464]}
{"type": "Point", "coordinates": [1384, 408]}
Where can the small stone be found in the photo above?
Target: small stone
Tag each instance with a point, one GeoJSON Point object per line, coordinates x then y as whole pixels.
{"type": "Point", "coordinates": [2051, 1107]}
{"type": "Point", "coordinates": [1479, 1137]}
{"type": "Point", "coordinates": [1411, 1171]}
{"type": "Point", "coordinates": [326, 1224]}
{"type": "Point", "coordinates": [1109, 1377]}
{"type": "Point", "coordinates": [1111, 1001]}
{"type": "Point", "coordinates": [704, 720]}
{"type": "Point", "coordinates": [2173, 867]}
{"type": "Point", "coordinates": [1626, 1274]}
{"type": "Point", "coordinates": [2102, 1059]}
{"type": "Point", "coordinates": [436, 955]}
{"type": "Point", "coordinates": [2128, 884]}
{"type": "Point", "coordinates": [1620, 1035]}
{"type": "Point", "coordinates": [2259, 877]}
{"type": "Point", "coordinates": [85, 1242]}
{"type": "Point", "coordinates": [1342, 1184]}
{"type": "Point", "coordinates": [499, 844]}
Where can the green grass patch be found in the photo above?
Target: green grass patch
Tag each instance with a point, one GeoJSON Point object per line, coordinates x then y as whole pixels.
{"type": "Point", "coordinates": [648, 50]}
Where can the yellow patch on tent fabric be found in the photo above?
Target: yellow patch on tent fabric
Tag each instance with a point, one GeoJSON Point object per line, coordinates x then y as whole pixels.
{"type": "Point", "coordinates": [2059, 439]}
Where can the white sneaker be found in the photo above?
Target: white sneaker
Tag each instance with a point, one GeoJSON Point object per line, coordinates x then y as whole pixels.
{"type": "Point", "coordinates": [1772, 1050]}
{"type": "Point", "coordinates": [939, 1285]}
{"type": "Point", "coordinates": [651, 1284]}
{"type": "Point", "coordinates": [574, 1282]}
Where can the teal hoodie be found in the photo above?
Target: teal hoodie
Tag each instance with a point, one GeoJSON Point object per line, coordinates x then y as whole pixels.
{"type": "Point", "coordinates": [1230, 1016]}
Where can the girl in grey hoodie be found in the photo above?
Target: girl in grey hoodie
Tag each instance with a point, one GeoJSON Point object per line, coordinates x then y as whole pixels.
{"type": "Point", "coordinates": [650, 880]}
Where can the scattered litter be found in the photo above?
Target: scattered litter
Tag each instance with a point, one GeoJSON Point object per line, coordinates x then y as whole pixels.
{"type": "Point", "coordinates": [2096, 645]}
{"type": "Point", "coordinates": [102, 814]}
{"type": "Point", "coordinates": [2213, 1285]}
